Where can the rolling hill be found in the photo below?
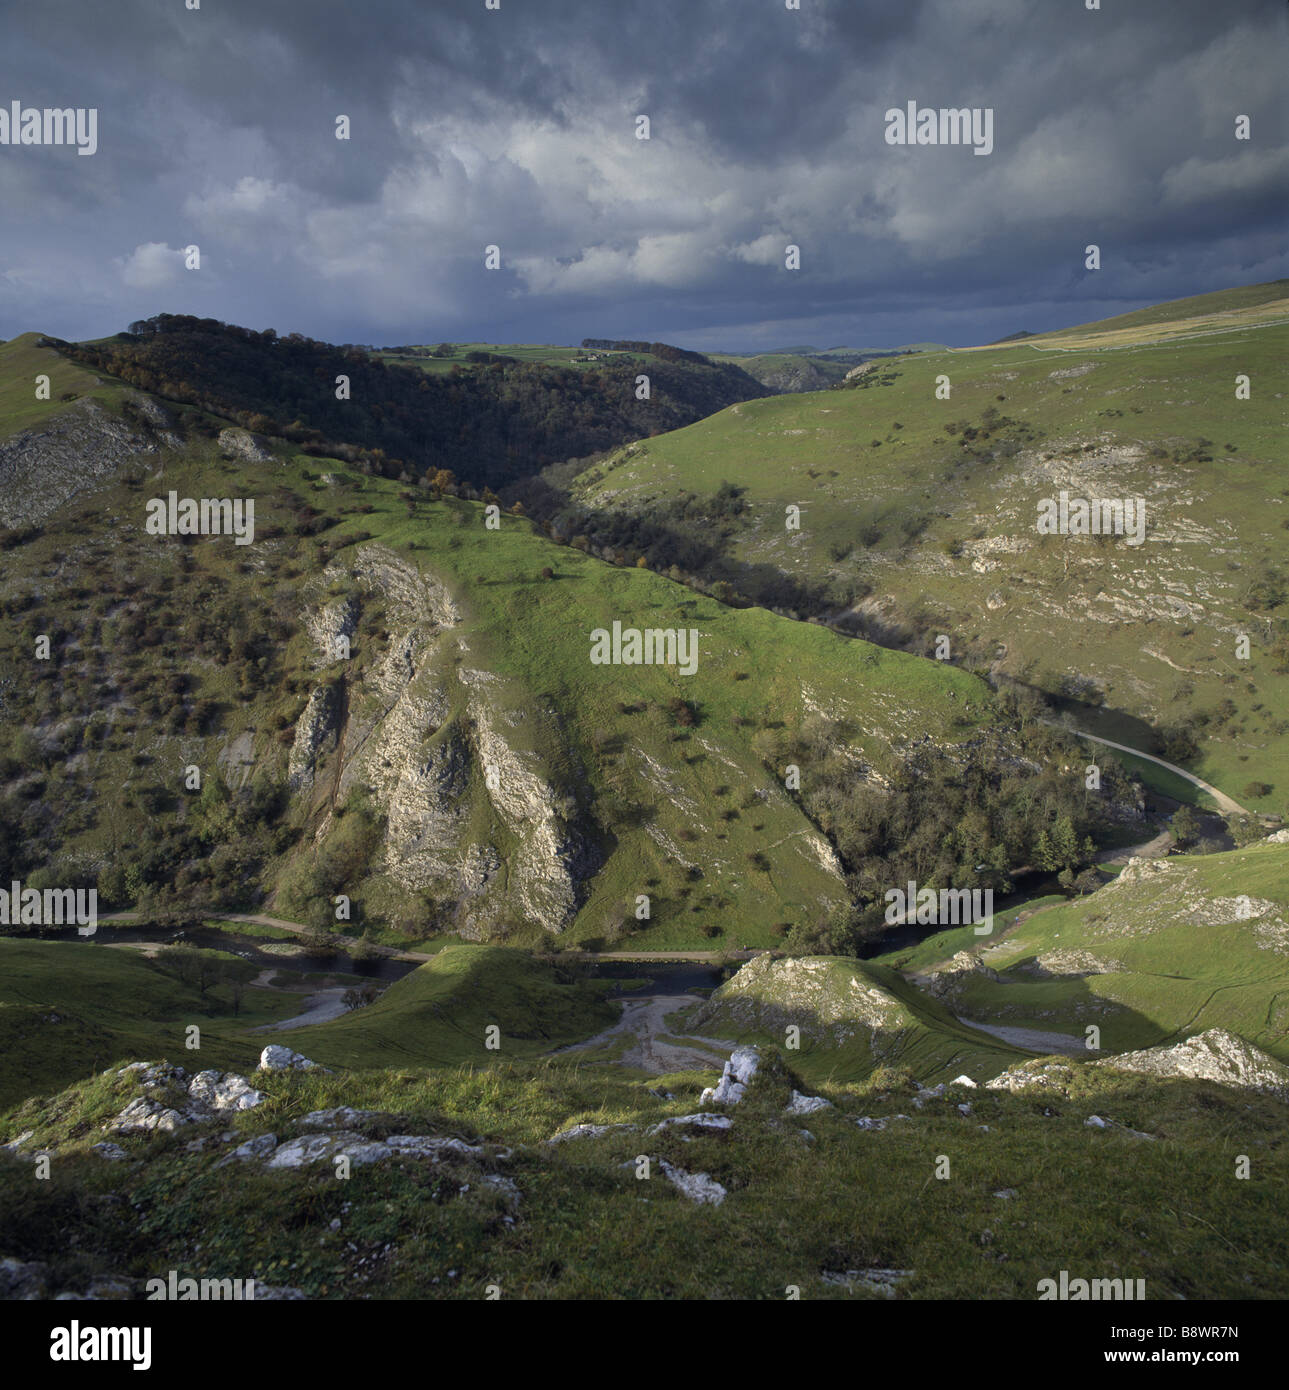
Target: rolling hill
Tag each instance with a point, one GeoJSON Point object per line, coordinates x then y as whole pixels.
{"type": "Point", "coordinates": [1170, 948]}
{"type": "Point", "coordinates": [466, 768]}
{"type": "Point", "coordinates": [918, 519]}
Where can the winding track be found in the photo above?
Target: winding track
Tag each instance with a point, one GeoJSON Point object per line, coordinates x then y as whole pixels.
{"type": "Point", "coordinates": [1224, 802]}
{"type": "Point", "coordinates": [644, 1022]}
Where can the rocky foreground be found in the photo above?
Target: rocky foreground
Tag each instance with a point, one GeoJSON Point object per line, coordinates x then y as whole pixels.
{"type": "Point", "coordinates": [318, 1183]}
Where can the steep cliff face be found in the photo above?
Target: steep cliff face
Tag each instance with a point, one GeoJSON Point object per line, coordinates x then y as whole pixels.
{"type": "Point", "coordinates": [552, 856]}
{"type": "Point", "coordinates": [457, 770]}
{"type": "Point", "coordinates": [315, 736]}
{"type": "Point", "coordinates": [74, 451]}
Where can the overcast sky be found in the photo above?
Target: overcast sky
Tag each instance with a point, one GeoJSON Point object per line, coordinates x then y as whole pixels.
{"type": "Point", "coordinates": [517, 127]}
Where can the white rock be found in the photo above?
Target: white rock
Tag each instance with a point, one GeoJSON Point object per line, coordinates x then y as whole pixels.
{"type": "Point", "coordinates": [236, 1093]}
{"type": "Point", "coordinates": [1214, 1055]}
{"type": "Point", "coordinates": [739, 1070]}
{"type": "Point", "coordinates": [964, 1109]}
{"type": "Point", "coordinates": [317, 1148]}
{"type": "Point", "coordinates": [341, 1118]}
{"type": "Point", "coordinates": [806, 1105]}
{"type": "Point", "coordinates": [698, 1187]}
{"type": "Point", "coordinates": [216, 1091]}
{"type": "Point", "coordinates": [112, 1152]}
{"type": "Point", "coordinates": [278, 1058]}
{"type": "Point", "coordinates": [202, 1087]}
{"type": "Point", "coordinates": [698, 1121]}
{"type": "Point", "coordinates": [963, 1081]}
{"type": "Point", "coordinates": [429, 1146]}
{"type": "Point", "coordinates": [259, 1147]}
{"type": "Point", "coordinates": [145, 1114]}
{"type": "Point", "coordinates": [584, 1131]}
{"type": "Point", "coordinates": [1096, 1122]}
{"type": "Point", "coordinates": [869, 1122]}
{"type": "Point", "coordinates": [881, 1281]}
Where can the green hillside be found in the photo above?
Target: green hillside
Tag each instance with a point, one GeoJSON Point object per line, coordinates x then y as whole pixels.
{"type": "Point", "coordinates": [440, 1013]}
{"type": "Point", "coordinates": [627, 799]}
{"type": "Point", "coordinates": [1221, 310]}
{"type": "Point", "coordinates": [853, 1017]}
{"type": "Point", "coordinates": [918, 518]}
{"type": "Point", "coordinates": [68, 1009]}
{"type": "Point", "coordinates": [488, 421]}
{"type": "Point", "coordinates": [1171, 948]}
{"type": "Point", "coordinates": [811, 1212]}
{"type": "Point", "coordinates": [21, 362]}
{"type": "Point", "coordinates": [814, 1202]}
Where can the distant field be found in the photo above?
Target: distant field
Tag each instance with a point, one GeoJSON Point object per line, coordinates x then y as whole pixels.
{"type": "Point", "coordinates": [1245, 307]}
{"type": "Point", "coordinates": [544, 354]}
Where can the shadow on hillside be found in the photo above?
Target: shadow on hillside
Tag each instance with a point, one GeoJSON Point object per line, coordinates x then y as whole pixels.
{"type": "Point", "coordinates": [699, 551]}
{"type": "Point", "coordinates": [1059, 1004]}
{"type": "Point", "coordinates": [1108, 722]}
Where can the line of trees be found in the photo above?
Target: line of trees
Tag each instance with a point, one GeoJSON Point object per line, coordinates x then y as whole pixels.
{"type": "Point", "coordinates": [489, 422]}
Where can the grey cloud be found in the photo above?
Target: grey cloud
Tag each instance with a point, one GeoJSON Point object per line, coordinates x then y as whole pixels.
{"type": "Point", "coordinates": [515, 127]}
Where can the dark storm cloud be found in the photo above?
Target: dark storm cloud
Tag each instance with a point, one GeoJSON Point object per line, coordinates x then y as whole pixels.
{"type": "Point", "coordinates": [516, 128]}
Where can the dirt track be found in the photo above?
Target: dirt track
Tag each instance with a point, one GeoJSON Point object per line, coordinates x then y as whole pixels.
{"type": "Point", "coordinates": [1034, 1039]}
{"type": "Point", "coordinates": [320, 1007]}
{"type": "Point", "coordinates": [644, 1022]}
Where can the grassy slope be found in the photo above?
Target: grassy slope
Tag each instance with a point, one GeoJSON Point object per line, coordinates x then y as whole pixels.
{"type": "Point", "coordinates": [68, 1009]}
{"type": "Point", "coordinates": [438, 1015]}
{"type": "Point", "coordinates": [1176, 968]}
{"type": "Point", "coordinates": [917, 1034]}
{"type": "Point", "coordinates": [21, 361]}
{"type": "Point", "coordinates": [536, 633]}
{"type": "Point", "coordinates": [656, 784]}
{"type": "Point", "coordinates": [1083, 1200]}
{"type": "Point", "coordinates": [1199, 313]}
{"type": "Point", "coordinates": [1156, 626]}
